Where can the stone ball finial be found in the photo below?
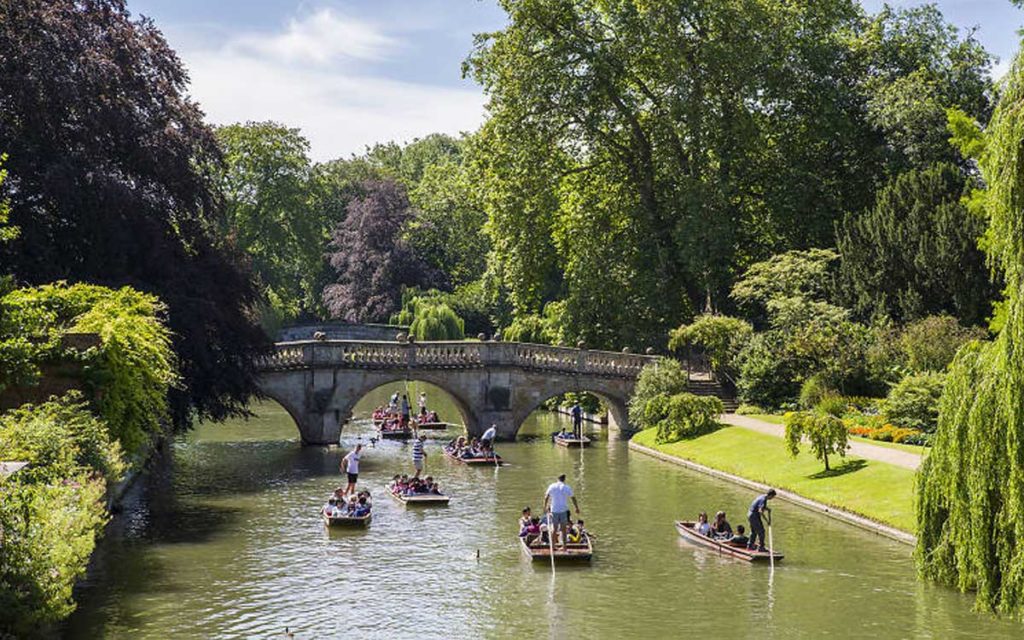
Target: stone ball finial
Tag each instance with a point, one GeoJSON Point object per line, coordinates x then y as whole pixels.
{"type": "Point", "coordinates": [401, 337]}
{"type": "Point", "coordinates": [581, 345]}
{"type": "Point", "coordinates": [496, 337]}
{"type": "Point", "coordinates": [649, 351]}
{"type": "Point", "coordinates": [626, 350]}
{"type": "Point", "coordinates": [319, 335]}
{"type": "Point", "coordinates": [411, 338]}
{"type": "Point", "coordinates": [482, 337]}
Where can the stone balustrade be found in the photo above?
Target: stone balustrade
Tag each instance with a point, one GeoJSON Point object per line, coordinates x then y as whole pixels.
{"type": "Point", "coordinates": [352, 354]}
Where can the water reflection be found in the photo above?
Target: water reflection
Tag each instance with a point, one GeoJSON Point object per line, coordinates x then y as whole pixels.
{"type": "Point", "coordinates": [223, 540]}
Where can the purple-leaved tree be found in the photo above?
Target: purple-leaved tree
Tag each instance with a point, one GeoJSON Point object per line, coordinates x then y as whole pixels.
{"type": "Point", "coordinates": [372, 258]}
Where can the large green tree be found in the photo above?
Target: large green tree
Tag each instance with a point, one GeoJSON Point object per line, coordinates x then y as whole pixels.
{"type": "Point", "coordinates": [267, 187]}
{"type": "Point", "coordinates": [915, 253]}
{"type": "Point", "coordinates": [970, 503]}
{"type": "Point", "coordinates": [698, 138]}
{"type": "Point", "coordinates": [110, 181]}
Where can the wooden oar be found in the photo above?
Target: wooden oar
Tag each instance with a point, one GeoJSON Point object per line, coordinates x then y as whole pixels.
{"type": "Point", "coordinates": [551, 539]}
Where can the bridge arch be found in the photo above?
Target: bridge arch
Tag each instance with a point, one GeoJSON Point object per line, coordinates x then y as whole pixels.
{"type": "Point", "coordinates": [360, 392]}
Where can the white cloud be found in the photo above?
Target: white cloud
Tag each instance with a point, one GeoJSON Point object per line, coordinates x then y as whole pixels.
{"type": "Point", "coordinates": [320, 38]}
{"type": "Point", "coordinates": [309, 76]}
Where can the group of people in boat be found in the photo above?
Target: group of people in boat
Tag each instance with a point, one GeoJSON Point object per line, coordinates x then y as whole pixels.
{"type": "Point", "coordinates": [720, 529]}
{"type": "Point", "coordinates": [397, 413]}
{"type": "Point", "coordinates": [403, 485]}
{"type": "Point", "coordinates": [534, 531]}
{"type": "Point", "coordinates": [473, 448]}
{"type": "Point", "coordinates": [357, 505]}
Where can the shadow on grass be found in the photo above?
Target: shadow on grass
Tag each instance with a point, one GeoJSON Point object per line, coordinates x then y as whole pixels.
{"type": "Point", "coordinates": [849, 466]}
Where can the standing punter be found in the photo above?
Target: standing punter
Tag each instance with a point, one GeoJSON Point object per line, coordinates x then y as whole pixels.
{"type": "Point", "coordinates": [556, 502]}
{"type": "Point", "coordinates": [350, 465]}
{"type": "Point", "coordinates": [418, 455]}
{"type": "Point", "coordinates": [757, 507]}
{"type": "Point", "coordinates": [577, 420]}
{"type": "Point", "coordinates": [487, 440]}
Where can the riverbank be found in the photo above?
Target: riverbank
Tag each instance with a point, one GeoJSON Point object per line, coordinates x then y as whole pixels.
{"type": "Point", "coordinates": [871, 491]}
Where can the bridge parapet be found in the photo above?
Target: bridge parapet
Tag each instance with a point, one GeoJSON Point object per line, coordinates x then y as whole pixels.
{"type": "Point", "coordinates": [352, 354]}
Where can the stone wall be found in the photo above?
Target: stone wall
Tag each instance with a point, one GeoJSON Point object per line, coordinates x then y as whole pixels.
{"type": "Point", "coordinates": [341, 331]}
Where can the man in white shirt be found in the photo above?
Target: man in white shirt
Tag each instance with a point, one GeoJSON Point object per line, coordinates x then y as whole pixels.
{"type": "Point", "coordinates": [556, 502]}
{"type": "Point", "coordinates": [350, 466]}
{"type": "Point", "coordinates": [487, 440]}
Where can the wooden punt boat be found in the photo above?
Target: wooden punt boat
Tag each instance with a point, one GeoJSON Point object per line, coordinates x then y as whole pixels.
{"type": "Point", "coordinates": [571, 441]}
{"type": "Point", "coordinates": [574, 552]}
{"type": "Point", "coordinates": [420, 499]}
{"type": "Point", "coordinates": [686, 530]}
{"type": "Point", "coordinates": [433, 425]}
{"type": "Point", "coordinates": [482, 461]}
{"type": "Point", "coordinates": [346, 521]}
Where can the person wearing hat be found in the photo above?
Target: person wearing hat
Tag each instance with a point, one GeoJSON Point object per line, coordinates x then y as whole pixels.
{"type": "Point", "coordinates": [758, 507]}
{"type": "Point", "coordinates": [418, 455]}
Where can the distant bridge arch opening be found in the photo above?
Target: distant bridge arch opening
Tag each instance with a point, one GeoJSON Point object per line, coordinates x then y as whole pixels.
{"type": "Point", "coordinates": [450, 408]}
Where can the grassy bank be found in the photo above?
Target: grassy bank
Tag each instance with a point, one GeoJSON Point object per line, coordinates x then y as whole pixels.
{"type": "Point", "coordinates": [876, 490]}
{"type": "Point", "coordinates": [909, 448]}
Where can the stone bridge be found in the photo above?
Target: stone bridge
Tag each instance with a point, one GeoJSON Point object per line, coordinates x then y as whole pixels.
{"type": "Point", "coordinates": [319, 382]}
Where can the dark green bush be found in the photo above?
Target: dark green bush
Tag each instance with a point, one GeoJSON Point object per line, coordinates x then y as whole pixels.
{"type": "Point", "coordinates": [813, 390]}
{"type": "Point", "coordinates": [930, 344]}
{"type": "Point", "coordinates": [914, 402]}
{"type": "Point", "coordinates": [683, 415]}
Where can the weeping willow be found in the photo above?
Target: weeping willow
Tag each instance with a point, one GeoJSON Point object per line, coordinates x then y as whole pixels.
{"type": "Point", "coordinates": [970, 507]}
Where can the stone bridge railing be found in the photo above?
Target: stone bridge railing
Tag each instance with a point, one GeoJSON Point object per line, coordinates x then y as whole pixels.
{"type": "Point", "coordinates": [353, 354]}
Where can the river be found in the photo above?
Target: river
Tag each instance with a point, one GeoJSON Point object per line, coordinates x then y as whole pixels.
{"type": "Point", "coordinates": [222, 540]}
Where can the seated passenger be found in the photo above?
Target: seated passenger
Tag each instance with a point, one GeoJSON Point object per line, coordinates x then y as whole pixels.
{"type": "Point", "coordinates": [702, 527]}
{"type": "Point", "coordinates": [524, 520]}
{"type": "Point", "coordinates": [329, 508]}
{"type": "Point", "coordinates": [740, 540]}
{"type": "Point", "coordinates": [533, 531]}
{"type": "Point", "coordinates": [362, 508]}
{"type": "Point", "coordinates": [576, 532]}
{"type": "Point", "coordinates": [721, 528]}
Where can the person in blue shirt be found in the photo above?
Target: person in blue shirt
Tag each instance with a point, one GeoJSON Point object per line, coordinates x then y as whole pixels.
{"type": "Point", "coordinates": [758, 507]}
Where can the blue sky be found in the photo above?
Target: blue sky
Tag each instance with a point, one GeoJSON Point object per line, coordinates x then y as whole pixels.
{"type": "Point", "coordinates": [353, 72]}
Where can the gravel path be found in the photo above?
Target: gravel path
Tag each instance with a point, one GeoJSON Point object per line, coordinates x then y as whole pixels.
{"type": "Point", "coordinates": [860, 449]}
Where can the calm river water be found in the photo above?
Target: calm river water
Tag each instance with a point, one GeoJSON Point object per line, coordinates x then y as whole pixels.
{"type": "Point", "coordinates": [223, 540]}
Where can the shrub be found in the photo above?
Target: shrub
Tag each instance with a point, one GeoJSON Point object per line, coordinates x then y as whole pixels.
{"type": "Point", "coordinates": [931, 343]}
{"type": "Point", "coordinates": [813, 391]}
{"type": "Point", "coordinates": [662, 377]}
{"type": "Point", "coordinates": [683, 415]}
{"type": "Point", "coordinates": [130, 372]}
{"type": "Point", "coordinates": [826, 434]}
{"type": "Point", "coordinates": [914, 402]}
{"type": "Point", "coordinates": [52, 511]}
{"type": "Point", "coordinates": [751, 410]}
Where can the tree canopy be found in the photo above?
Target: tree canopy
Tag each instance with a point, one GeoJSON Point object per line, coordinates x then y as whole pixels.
{"type": "Point", "coordinates": [110, 182]}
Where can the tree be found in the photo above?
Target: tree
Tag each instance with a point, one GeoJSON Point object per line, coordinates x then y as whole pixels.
{"type": "Point", "coordinates": [795, 275]}
{"type": "Point", "coordinates": [447, 229]}
{"type": "Point", "coordinates": [371, 258]}
{"type": "Point", "coordinates": [974, 476]}
{"type": "Point", "coordinates": [720, 337]}
{"type": "Point", "coordinates": [110, 182]}
{"type": "Point", "coordinates": [825, 433]}
{"type": "Point", "coordinates": [266, 184]}
{"type": "Point", "coordinates": [916, 252]}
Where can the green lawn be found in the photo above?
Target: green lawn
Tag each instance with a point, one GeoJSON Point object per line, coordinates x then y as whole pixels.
{"type": "Point", "coordinates": [909, 448]}
{"type": "Point", "coordinates": [880, 491]}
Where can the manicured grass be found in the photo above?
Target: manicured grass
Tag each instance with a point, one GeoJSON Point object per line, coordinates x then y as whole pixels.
{"type": "Point", "coordinates": [876, 490]}
{"type": "Point", "coordinates": [909, 448]}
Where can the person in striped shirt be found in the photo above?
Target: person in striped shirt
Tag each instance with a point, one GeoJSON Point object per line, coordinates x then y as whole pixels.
{"type": "Point", "coordinates": [418, 455]}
